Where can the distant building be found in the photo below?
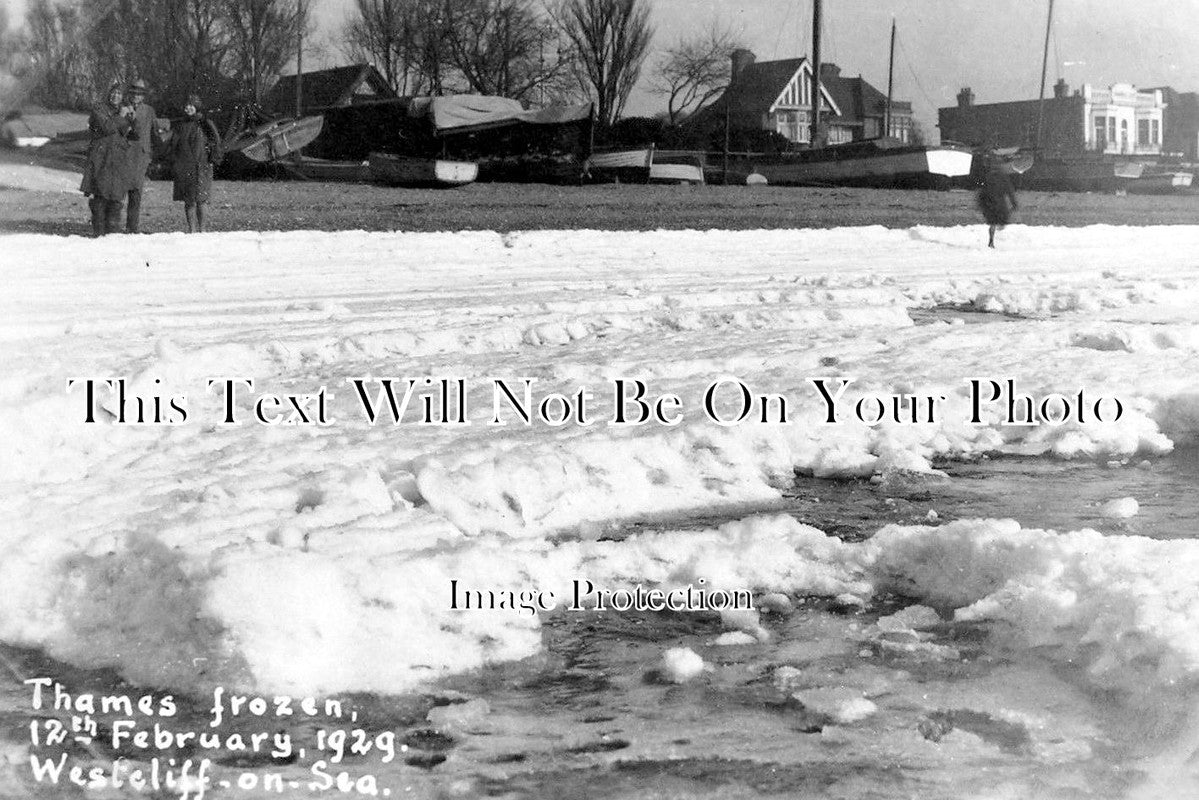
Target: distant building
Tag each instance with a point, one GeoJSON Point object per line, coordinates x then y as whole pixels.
{"type": "Point", "coordinates": [1119, 119]}
{"type": "Point", "coordinates": [1180, 125]}
{"type": "Point", "coordinates": [329, 88]}
{"type": "Point", "coordinates": [776, 96]}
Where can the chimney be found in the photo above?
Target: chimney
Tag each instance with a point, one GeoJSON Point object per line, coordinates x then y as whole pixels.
{"type": "Point", "coordinates": [1060, 89]}
{"type": "Point", "coordinates": [741, 59]}
{"type": "Point", "coordinates": [965, 97]}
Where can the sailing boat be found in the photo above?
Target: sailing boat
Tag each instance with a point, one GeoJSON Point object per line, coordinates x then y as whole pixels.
{"type": "Point", "coordinates": [881, 162]}
{"type": "Point", "coordinates": [1079, 173]}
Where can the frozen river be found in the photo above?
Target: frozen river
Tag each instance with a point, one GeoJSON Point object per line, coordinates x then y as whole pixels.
{"type": "Point", "coordinates": [953, 599]}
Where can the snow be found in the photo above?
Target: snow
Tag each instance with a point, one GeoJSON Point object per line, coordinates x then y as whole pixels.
{"type": "Point", "coordinates": [681, 664]}
{"type": "Point", "coordinates": [315, 558]}
{"type": "Point", "coordinates": [32, 178]}
{"type": "Point", "coordinates": [1121, 508]}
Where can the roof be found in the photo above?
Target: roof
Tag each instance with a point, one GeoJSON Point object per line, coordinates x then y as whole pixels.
{"type": "Point", "coordinates": [327, 88]}
{"type": "Point", "coordinates": [857, 98]}
{"type": "Point", "coordinates": [756, 88]}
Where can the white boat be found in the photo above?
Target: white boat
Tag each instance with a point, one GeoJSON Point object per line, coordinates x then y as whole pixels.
{"type": "Point", "coordinates": [620, 166]}
{"type": "Point", "coordinates": [676, 173]}
{"type": "Point", "coordinates": [621, 159]}
{"type": "Point", "coordinates": [421, 172]}
{"type": "Point", "coordinates": [676, 166]}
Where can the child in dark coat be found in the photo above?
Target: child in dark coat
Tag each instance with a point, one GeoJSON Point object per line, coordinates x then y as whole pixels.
{"type": "Point", "coordinates": [195, 148]}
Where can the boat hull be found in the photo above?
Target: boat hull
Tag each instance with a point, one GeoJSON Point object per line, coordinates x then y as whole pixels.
{"type": "Point", "coordinates": [1162, 183]}
{"type": "Point", "coordinates": [900, 167]}
{"type": "Point", "coordinates": [319, 169]}
{"type": "Point", "coordinates": [620, 166]}
{"type": "Point", "coordinates": [435, 173]}
{"type": "Point", "coordinates": [276, 139]}
{"type": "Point", "coordinates": [676, 173]}
{"type": "Point", "coordinates": [1080, 175]}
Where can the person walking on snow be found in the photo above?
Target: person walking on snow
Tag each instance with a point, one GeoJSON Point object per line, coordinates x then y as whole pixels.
{"type": "Point", "coordinates": [996, 197]}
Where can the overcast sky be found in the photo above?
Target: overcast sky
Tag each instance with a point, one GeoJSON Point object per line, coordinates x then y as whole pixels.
{"type": "Point", "coordinates": [993, 46]}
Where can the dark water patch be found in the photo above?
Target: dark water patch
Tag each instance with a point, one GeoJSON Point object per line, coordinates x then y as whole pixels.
{"type": "Point", "coordinates": [967, 313]}
{"type": "Point", "coordinates": [601, 746]}
{"type": "Point", "coordinates": [701, 778]}
{"type": "Point", "coordinates": [1069, 495]}
{"type": "Point", "coordinates": [1036, 491]}
{"type": "Point", "coordinates": [425, 760]}
{"type": "Point", "coordinates": [428, 739]}
{"type": "Point", "coordinates": [1010, 737]}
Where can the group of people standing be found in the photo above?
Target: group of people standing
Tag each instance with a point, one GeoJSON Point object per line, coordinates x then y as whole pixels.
{"type": "Point", "coordinates": [124, 138]}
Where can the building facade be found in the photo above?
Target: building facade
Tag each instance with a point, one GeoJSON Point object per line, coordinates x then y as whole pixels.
{"type": "Point", "coordinates": [1180, 124]}
{"type": "Point", "coordinates": [776, 96]}
{"type": "Point", "coordinates": [1118, 119]}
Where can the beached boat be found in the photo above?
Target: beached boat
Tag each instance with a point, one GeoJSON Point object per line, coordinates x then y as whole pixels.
{"type": "Point", "coordinates": [871, 162]}
{"type": "Point", "coordinates": [676, 173]}
{"type": "Point", "coordinates": [1081, 174]}
{"type": "Point", "coordinates": [620, 166]}
{"type": "Point", "coordinates": [1161, 181]}
{"type": "Point", "coordinates": [883, 162]}
{"type": "Point", "coordinates": [1089, 172]}
{"type": "Point", "coordinates": [421, 172]}
{"type": "Point", "coordinates": [275, 139]}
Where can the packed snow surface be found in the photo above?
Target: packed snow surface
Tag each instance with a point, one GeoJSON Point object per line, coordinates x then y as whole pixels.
{"type": "Point", "coordinates": [303, 547]}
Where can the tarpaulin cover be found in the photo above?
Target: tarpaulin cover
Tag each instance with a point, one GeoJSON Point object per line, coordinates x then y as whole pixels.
{"type": "Point", "coordinates": [474, 112]}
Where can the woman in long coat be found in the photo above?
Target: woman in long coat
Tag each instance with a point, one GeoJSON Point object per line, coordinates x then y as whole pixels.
{"type": "Point", "coordinates": [996, 197]}
{"type": "Point", "coordinates": [195, 147]}
{"type": "Point", "coordinates": [107, 173]}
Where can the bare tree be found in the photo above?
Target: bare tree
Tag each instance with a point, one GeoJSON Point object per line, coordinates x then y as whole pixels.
{"type": "Point", "coordinates": [610, 39]}
{"type": "Point", "coordinates": [406, 40]}
{"type": "Point", "coordinates": [695, 71]}
{"type": "Point", "coordinates": [379, 33]}
{"type": "Point", "coordinates": [262, 36]}
{"type": "Point", "coordinates": [504, 47]}
{"type": "Point", "coordinates": [179, 46]}
{"type": "Point", "coordinates": [57, 73]}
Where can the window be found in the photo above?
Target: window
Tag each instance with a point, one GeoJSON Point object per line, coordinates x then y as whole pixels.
{"type": "Point", "coordinates": [1111, 129]}
{"type": "Point", "coordinates": [1156, 133]}
{"type": "Point", "coordinates": [1142, 131]}
{"type": "Point", "coordinates": [1100, 133]}
{"type": "Point", "coordinates": [786, 125]}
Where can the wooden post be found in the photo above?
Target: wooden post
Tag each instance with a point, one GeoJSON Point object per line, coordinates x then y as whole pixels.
{"type": "Point", "coordinates": [300, 61]}
{"type": "Point", "coordinates": [890, 82]}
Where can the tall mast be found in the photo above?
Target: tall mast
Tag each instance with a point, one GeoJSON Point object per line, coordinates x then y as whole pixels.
{"type": "Point", "coordinates": [815, 134]}
{"type": "Point", "coordinates": [890, 81]}
{"type": "Point", "coordinates": [300, 61]}
{"type": "Point", "coordinates": [1044, 70]}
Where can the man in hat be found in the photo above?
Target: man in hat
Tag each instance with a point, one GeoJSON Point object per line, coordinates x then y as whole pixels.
{"type": "Point", "coordinates": [144, 135]}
